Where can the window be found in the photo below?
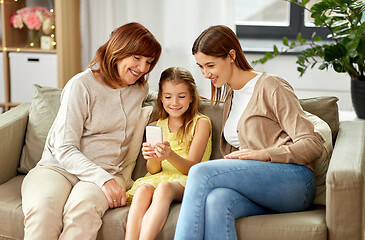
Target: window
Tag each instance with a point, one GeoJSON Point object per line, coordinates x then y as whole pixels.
{"type": "Point", "coordinates": [274, 19]}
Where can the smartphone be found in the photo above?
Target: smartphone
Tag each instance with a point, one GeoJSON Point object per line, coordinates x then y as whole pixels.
{"type": "Point", "coordinates": [153, 134]}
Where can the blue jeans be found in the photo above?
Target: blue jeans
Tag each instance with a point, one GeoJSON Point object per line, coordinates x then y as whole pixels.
{"type": "Point", "coordinates": [219, 191]}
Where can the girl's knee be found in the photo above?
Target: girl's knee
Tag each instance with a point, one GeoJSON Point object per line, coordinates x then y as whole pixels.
{"type": "Point", "coordinates": [163, 190]}
{"type": "Point", "coordinates": [143, 192]}
{"type": "Point", "coordinates": [144, 189]}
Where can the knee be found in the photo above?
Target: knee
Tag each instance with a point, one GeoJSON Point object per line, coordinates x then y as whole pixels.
{"type": "Point", "coordinates": [217, 198]}
{"type": "Point", "coordinates": [164, 191]}
{"type": "Point", "coordinates": [42, 210]}
{"type": "Point", "coordinates": [198, 171]}
{"type": "Point", "coordinates": [87, 203]}
{"type": "Point", "coordinates": [144, 191]}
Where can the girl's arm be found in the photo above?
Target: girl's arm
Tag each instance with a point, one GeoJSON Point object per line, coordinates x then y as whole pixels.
{"type": "Point", "coordinates": [197, 148]}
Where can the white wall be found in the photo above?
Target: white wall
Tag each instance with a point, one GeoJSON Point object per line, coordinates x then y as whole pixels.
{"type": "Point", "coordinates": [313, 83]}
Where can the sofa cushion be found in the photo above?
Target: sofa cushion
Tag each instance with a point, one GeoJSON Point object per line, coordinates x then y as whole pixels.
{"type": "Point", "coordinates": [299, 226]}
{"type": "Point", "coordinates": [321, 164]}
{"type": "Point", "coordinates": [326, 108]}
{"type": "Point", "coordinates": [215, 114]}
{"type": "Point", "coordinates": [42, 112]}
{"type": "Point", "coordinates": [11, 214]}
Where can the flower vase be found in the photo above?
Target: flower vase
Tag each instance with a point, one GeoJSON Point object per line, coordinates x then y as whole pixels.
{"type": "Point", "coordinates": [34, 38]}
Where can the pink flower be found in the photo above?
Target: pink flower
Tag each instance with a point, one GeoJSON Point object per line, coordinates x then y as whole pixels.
{"type": "Point", "coordinates": [16, 21]}
{"type": "Point", "coordinates": [34, 18]}
{"type": "Point", "coordinates": [32, 21]}
{"type": "Point", "coordinates": [24, 12]}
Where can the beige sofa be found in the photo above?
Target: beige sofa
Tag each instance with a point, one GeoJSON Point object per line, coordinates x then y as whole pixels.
{"type": "Point", "coordinates": [342, 216]}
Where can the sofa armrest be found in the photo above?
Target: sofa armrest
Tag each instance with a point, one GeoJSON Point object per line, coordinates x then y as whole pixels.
{"type": "Point", "coordinates": [345, 183]}
{"type": "Point", "coordinates": [13, 125]}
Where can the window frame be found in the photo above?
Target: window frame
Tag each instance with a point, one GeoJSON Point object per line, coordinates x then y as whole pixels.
{"type": "Point", "coordinates": [296, 25]}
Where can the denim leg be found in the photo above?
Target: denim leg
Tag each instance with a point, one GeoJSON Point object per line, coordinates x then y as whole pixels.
{"type": "Point", "coordinates": [223, 206]}
{"type": "Point", "coordinates": [275, 186]}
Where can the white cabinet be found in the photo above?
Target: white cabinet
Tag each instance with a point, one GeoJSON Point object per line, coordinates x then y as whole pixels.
{"type": "Point", "coordinates": [26, 69]}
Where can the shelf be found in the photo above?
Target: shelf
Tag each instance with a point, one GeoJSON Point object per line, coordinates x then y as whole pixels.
{"type": "Point", "coordinates": [68, 49]}
{"type": "Point", "coordinates": [28, 50]}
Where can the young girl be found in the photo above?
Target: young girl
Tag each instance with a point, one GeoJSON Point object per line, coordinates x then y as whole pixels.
{"type": "Point", "coordinates": [187, 141]}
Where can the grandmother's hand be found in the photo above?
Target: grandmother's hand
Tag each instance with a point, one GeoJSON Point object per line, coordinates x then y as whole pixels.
{"type": "Point", "coordinates": [114, 193]}
{"type": "Point", "coordinates": [260, 155]}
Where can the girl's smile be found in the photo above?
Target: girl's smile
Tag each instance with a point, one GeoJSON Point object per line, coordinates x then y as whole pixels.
{"type": "Point", "coordinates": [176, 98]}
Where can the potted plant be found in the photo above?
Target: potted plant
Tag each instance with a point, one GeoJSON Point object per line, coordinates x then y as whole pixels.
{"type": "Point", "coordinates": [344, 50]}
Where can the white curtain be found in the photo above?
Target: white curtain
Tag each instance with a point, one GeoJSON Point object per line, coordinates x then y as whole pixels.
{"type": "Point", "coordinates": [175, 24]}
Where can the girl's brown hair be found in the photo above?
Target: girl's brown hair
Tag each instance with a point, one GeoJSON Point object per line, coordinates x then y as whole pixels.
{"type": "Point", "coordinates": [126, 40]}
{"type": "Point", "coordinates": [218, 41]}
{"type": "Point", "coordinates": [177, 75]}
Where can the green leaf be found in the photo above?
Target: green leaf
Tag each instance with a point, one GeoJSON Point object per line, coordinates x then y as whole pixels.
{"type": "Point", "coordinates": [338, 67]}
{"type": "Point", "coordinates": [299, 37]}
{"type": "Point", "coordinates": [317, 39]}
{"type": "Point", "coordinates": [285, 41]}
{"type": "Point", "coordinates": [322, 66]}
{"type": "Point", "coordinates": [268, 55]}
{"type": "Point", "coordinates": [301, 70]}
{"type": "Point", "coordinates": [276, 51]}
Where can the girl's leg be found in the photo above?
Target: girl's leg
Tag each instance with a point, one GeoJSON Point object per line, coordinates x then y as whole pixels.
{"type": "Point", "coordinates": [223, 206]}
{"type": "Point", "coordinates": [140, 203]}
{"type": "Point", "coordinates": [83, 211]}
{"type": "Point", "coordinates": [156, 215]}
{"type": "Point", "coordinates": [44, 193]}
{"type": "Point", "coordinates": [276, 186]}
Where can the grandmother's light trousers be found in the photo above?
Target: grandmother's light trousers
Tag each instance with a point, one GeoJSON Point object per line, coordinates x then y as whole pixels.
{"type": "Point", "coordinates": [57, 205]}
{"type": "Point", "coordinates": [219, 191]}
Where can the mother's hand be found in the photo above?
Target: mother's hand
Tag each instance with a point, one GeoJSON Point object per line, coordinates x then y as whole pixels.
{"type": "Point", "coordinates": [260, 155]}
{"type": "Point", "coordinates": [114, 193]}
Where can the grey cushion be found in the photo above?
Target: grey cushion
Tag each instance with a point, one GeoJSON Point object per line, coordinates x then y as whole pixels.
{"type": "Point", "coordinates": [42, 112]}
{"type": "Point", "coordinates": [326, 108]}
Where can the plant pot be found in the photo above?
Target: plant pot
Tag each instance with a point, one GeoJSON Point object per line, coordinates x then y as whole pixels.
{"type": "Point", "coordinates": [358, 97]}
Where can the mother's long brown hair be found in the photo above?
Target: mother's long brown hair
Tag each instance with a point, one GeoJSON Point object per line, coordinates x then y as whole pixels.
{"type": "Point", "coordinates": [218, 41]}
{"type": "Point", "coordinates": [126, 40]}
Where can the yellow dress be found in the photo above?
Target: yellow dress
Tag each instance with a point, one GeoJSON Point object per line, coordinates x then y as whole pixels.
{"type": "Point", "coordinates": [168, 172]}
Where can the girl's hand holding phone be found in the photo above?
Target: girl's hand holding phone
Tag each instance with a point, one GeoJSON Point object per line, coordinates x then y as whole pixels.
{"type": "Point", "coordinates": [148, 151]}
{"type": "Point", "coordinates": [163, 150]}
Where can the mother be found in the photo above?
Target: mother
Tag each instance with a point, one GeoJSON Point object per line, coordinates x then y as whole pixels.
{"type": "Point", "coordinates": [79, 176]}
{"type": "Point", "coordinates": [268, 144]}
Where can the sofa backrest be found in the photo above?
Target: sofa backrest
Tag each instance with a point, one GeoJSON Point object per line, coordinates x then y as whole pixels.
{"type": "Point", "coordinates": [324, 107]}
{"type": "Point", "coordinates": [46, 102]}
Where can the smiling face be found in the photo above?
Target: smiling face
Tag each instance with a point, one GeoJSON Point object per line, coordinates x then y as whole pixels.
{"type": "Point", "coordinates": [131, 68]}
{"type": "Point", "coordinates": [217, 69]}
{"type": "Point", "coordinates": [175, 98]}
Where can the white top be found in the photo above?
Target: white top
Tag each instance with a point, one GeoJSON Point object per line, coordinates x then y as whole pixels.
{"type": "Point", "coordinates": [91, 134]}
{"type": "Point", "coordinates": [240, 99]}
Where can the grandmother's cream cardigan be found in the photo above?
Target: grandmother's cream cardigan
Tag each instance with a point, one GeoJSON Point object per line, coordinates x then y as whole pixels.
{"type": "Point", "coordinates": [91, 134]}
